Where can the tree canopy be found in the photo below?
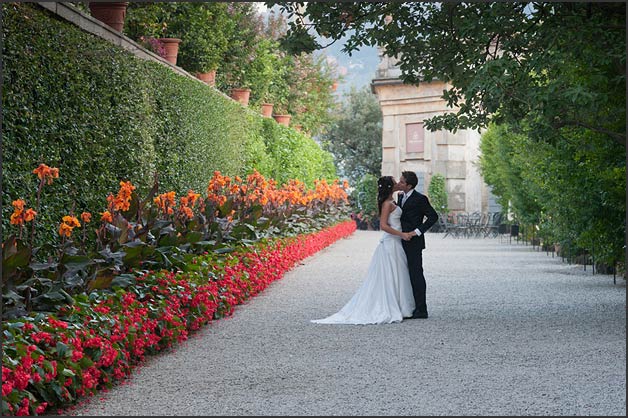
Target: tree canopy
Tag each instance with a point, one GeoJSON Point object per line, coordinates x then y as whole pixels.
{"type": "Point", "coordinates": [574, 191]}
{"type": "Point", "coordinates": [548, 78]}
{"type": "Point", "coordinates": [355, 139]}
{"type": "Point", "coordinates": [541, 66]}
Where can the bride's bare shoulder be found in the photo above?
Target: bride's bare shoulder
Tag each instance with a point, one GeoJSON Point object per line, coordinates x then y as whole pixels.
{"type": "Point", "coordinates": [387, 207]}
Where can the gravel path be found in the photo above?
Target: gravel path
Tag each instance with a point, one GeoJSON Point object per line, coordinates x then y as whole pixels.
{"type": "Point", "coordinates": [511, 331]}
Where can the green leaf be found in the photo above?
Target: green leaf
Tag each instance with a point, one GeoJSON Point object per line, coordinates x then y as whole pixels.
{"type": "Point", "coordinates": [123, 280]}
{"type": "Point", "coordinates": [224, 250]}
{"type": "Point", "coordinates": [16, 258]}
{"type": "Point", "coordinates": [76, 262]}
{"type": "Point", "coordinates": [63, 349]}
{"type": "Point", "coordinates": [68, 373]}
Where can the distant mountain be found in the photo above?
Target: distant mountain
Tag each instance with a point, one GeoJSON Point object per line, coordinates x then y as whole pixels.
{"type": "Point", "coordinates": [356, 70]}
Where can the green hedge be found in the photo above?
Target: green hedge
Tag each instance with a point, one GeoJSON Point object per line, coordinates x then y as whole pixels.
{"type": "Point", "coordinates": [295, 155]}
{"type": "Point", "coordinates": [101, 115]}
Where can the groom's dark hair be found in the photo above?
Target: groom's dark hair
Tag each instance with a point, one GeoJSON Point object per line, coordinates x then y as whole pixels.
{"type": "Point", "coordinates": [411, 178]}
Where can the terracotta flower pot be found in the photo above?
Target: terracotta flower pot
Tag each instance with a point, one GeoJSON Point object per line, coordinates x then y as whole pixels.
{"type": "Point", "coordinates": [171, 45]}
{"type": "Point", "coordinates": [241, 95]}
{"type": "Point", "coordinates": [267, 110]}
{"type": "Point", "coordinates": [110, 13]}
{"type": "Point", "coordinates": [208, 77]}
{"type": "Point", "coordinates": [283, 119]}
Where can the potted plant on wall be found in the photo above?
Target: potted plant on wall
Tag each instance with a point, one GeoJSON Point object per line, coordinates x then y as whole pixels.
{"type": "Point", "coordinates": [252, 60]}
{"type": "Point", "coordinates": [192, 35]}
{"type": "Point", "coordinates": [240, 89]}
{"type": "Point", "coordinates": [171, 48]}
{"type": "Point", "coordinates": [241, 94]}
{"type": "Point", "coordinates": [148, 24]}
{"type": "Point", "coordinates": [281, 114]}
{"type": "Point", "coordinates": [205, 29]}
{"type": "Point", "coordinates": [110, 13]}
{"type": "Point", "coordinates": [266, 108]}
{"type": "Point", "coordinates": [281, 92]}
{"type": "Point", "coordinates": [283, 119]}
{"type": "Point", "coordinates": [266, 101]}
{"type": "Point", "coordinates": [281, 111]}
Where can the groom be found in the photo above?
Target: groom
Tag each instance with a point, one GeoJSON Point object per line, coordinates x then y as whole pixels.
{"type": "Point", "coordinates": [416, 207]}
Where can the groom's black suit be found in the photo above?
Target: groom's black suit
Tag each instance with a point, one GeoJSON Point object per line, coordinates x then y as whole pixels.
{"type": "Point", "coordinates": [417, 214]}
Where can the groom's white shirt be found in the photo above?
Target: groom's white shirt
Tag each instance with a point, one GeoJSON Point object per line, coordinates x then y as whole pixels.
{"type": "Point", "coordinates": [403, 202]}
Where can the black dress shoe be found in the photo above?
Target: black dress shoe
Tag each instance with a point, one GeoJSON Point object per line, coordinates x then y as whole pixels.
{"type": "Point", "coordinates": [419, 315]}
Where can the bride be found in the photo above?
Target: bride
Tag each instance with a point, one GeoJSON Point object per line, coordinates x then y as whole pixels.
{"type": "Point", "coordinates": [385, 295]}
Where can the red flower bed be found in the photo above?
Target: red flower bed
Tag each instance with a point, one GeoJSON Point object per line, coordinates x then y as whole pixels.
{"type": "Point", "coordinates": [51, 361]}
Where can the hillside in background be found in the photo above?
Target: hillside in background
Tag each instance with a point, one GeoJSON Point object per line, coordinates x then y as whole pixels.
{"type": "Point", "coordinates": [357, 70]}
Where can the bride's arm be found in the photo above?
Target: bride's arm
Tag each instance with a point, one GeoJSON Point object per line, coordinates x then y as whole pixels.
{"type": "Point", "coordinates": [383, 219]}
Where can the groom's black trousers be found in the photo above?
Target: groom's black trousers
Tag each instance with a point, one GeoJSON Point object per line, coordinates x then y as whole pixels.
{"type": "Point", "coordinates": [414, 254]}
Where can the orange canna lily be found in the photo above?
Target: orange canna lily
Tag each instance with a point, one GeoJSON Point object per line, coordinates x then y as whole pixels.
{"type": "Point", "coordinates": [65, 230]}
{"type": "Point", "coordinates": [86, 217]}
{"type": "Point", "coordinates": [17, 218]}
{"type": "Point", "coordinates": [106, 217]}
{"type": "Point", "coordinates": [71, 221]}
{"type": "Point", "coordinates": [18, 204]}
{"type": "Point", "coordinates": [29, 215]}
{"type": "Point", "coordinates": [46, 173]}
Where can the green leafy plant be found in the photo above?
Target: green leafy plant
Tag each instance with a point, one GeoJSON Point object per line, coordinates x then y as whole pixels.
{"type": "Point", "coordinates": [437, 193]}
{"type": "Point", "coordinates": [355, 137]}
{"type": "Point", "coordinates": [364, 201]}
{"type": "Point", "coordinates": [204, 30]}
{"type": "Point", "coordinates": [156, 232]}
{"type": "Point", "coordinates": [243, 48]}
{"type": "Point", "coordinates": [551, 65]}
{"type": "Point", "coordinates": [151, 118]}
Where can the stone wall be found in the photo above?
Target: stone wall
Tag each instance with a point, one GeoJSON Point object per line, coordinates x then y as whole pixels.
{"type": "Point", "coordinates": [407, 145]}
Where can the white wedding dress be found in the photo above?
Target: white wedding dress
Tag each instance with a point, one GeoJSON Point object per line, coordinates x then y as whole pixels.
{"type": "Point", "coordinates": [385, 295]}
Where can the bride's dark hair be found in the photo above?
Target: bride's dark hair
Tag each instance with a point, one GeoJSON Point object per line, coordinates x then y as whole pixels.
{"type": "Point", "coordinates": [384, 189]}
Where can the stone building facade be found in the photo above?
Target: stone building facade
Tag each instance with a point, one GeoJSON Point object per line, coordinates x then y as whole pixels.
{"type": "Point", "coordinates": [407, 145]}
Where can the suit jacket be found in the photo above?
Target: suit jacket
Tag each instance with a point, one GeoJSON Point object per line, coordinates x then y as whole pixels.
{"type": "Point", "coordinates": [417, 213]}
